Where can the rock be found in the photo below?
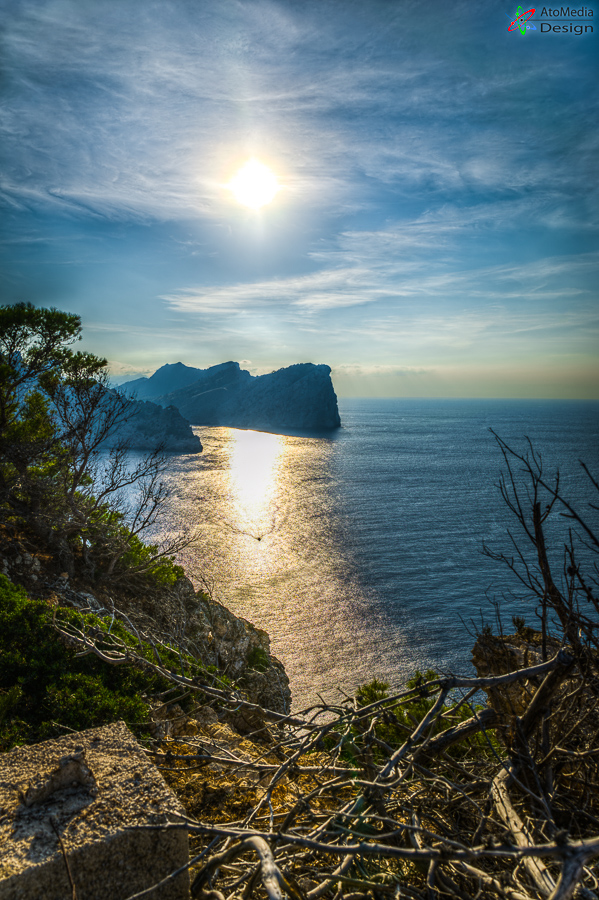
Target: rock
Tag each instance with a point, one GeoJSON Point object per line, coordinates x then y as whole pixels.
{"type": "Point", "coordinates": [88, 601]}
{"type": "Point", "coordinates": [150, 425]}
{"type": "Point", "coordinates": [19, 564]}
{"type": "Point", "coordinates": [299, 397]}
{"type": "Point", "coordinates": [97, 790]}
{"type": "Point", "coordinates": [232, 643]}
{"type": "Point", "coordinates": [215, 636]}
{"type": "Point", "coordinates": [205, 716]}
{"type": "Point", "coordinates": [494, 655]}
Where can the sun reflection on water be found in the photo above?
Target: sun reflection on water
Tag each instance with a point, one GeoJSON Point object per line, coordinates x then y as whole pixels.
{"type": "Point", "coordinates": [253, 468]}
{"type": "Point", "coordinates": [272, 546]}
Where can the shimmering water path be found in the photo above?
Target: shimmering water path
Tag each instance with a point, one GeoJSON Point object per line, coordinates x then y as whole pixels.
{"type": "Point", "coordinates": [360, 553]}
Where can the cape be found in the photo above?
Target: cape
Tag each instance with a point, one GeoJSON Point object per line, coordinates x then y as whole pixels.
{"type": "Point", "coordinates": [299, 397]}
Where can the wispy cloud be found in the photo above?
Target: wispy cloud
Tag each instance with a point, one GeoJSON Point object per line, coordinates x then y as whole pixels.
{"type": "Point", "coordinates": [137, 110]}
{"type": "Point", "coordinates": [361, 370]}
{"type": "Point", "coordinates": [121, 372]}
{"type": "Point", "coordinates": [380, 274]}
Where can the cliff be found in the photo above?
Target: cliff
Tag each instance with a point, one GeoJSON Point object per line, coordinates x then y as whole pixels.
{"type": "Point", "coordinates": [149, 425]}
{"type": "Point", "coordinates": [178, 614]}
{"type": "Point", "coordinates": [297, 397]}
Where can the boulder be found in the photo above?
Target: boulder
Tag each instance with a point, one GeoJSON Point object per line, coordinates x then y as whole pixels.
{"type": "Point", "coordinates": [82, 810]}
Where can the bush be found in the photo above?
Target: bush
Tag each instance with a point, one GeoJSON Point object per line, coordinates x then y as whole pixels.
{"type": "Point", "coordinates": [257, 659]}
{"type": "Point", "coordinates": [44, 686]}
{"type": "Point", "coordinates": [399, 721]}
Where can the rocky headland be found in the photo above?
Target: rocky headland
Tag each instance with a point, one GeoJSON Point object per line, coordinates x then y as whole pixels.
{"type": "Point", "coordinates": [299, 397]}
{"type": "Point", "coordinates": [148, 426]}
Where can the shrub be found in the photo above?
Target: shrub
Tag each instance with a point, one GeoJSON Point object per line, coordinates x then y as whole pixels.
{"type": "Point", "coordinates": [397, 722]}
{"type": "Point", "coordinates": [44, 686]}
{"type": "Point", "coordinates": [257, 659]}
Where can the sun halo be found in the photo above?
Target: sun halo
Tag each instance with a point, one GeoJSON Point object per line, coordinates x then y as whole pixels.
{"type": "Point", "coordinates": [254, 185]}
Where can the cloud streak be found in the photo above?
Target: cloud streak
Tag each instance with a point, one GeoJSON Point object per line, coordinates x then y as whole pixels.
{"type": "Point", "coordinates": [373, 275]}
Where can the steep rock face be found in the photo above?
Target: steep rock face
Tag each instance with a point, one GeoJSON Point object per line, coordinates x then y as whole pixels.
{"type": "Point", "coordinates": [297, 397]}
{"type": "Point", "coordinates": [300, 396]}
{"type": "Point", "coordinates": [149, 426]}
{"type": "Point", "coordinates": [180, 614]}
{"type": "Point", "coordinates": [219, 638]}
{"type": "Point", "coordinates": [240, 650]}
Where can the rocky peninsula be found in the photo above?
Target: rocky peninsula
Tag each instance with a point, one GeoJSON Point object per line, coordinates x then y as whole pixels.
{"type": "Point", "coordinates": [299, 397]}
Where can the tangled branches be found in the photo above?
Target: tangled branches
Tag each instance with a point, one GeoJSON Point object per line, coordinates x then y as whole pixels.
{"type": "Point", "coordinates": [444, 809]}
{"type": "Point", "coordinates": [419, 794]}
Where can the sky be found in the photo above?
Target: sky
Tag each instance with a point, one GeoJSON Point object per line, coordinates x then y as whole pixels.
{"type": "Point", "coordinates": [436, 228]}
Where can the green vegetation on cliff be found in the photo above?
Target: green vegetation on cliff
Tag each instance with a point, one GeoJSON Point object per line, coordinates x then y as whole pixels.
{"type": "Point", "coordinates": [45, 689]}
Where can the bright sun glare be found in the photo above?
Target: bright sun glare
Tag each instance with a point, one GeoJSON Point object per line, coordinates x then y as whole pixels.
{"type": "Point", "coordinates": [254, 185]}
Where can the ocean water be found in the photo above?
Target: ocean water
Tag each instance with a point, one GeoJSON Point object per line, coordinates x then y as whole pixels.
{"type": "Point", "coordinates": [360, 552]}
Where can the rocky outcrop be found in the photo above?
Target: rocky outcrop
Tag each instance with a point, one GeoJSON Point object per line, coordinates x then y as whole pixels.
{"type": "Point", "coordinates": [107, 820]}
{"type": "Point", "coordinates": [494, 655]}
{"type": "Point", "coordinates": [299, 397]}
{"type": "Point", "coordinates": [206, 629]}
{"type": "Point", "coordinates": [235, 646]}
{"type": "Point", "coordinates": [149, 426]}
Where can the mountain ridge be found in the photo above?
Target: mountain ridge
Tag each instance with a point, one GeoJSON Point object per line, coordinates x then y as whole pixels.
{"type": "Point", "coordinates": [299, 397]}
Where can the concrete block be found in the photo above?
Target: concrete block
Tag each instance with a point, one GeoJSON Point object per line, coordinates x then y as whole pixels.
{"type": "Point", "coordinates": [96, 790]}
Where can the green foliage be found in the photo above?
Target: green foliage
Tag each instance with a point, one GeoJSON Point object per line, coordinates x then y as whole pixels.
{"type": "Point", "coordinates": [43, 685]}
{"type": "Point", "coordinates": [140, 557]}
{"type": "Point", "coordinates": [372, 692]}
{"type": "Point", "coordinates": [398, 722]}
{"type": "Point", "coordinates": [522, 629]}
{"type": "Point", "coordinates": [80, 700]}
{"type": "Point", "coordinates": [257, 659]}
{"type": "Point", "coordinates": [9, 700]}
{"type": "Point", "coordinates": [57, 479]}
{"type": "Point", "coordinates": [33, 345]}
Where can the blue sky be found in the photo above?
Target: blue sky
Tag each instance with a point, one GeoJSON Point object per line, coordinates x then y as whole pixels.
{"type": "Point", "coordinates": [435, 233]}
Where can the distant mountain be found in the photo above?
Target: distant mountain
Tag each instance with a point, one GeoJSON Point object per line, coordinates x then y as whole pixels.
{"type": "Point", "coordinates": [299, 397]}
{"type": "Point", "coordinates": [169, 378]}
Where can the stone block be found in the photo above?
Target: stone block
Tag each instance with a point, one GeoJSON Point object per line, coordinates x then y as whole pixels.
{"type": "Point", "coordinates": [97, 791]}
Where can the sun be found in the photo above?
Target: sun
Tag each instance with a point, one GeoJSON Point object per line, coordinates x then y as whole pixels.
{"type": "Point", "coordinates": [254, 185]}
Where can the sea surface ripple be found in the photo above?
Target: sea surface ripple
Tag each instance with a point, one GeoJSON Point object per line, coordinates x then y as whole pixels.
{"type": "Point", "coordinates": [360, 552]}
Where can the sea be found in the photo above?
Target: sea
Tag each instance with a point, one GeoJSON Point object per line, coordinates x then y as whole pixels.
{"type": "Point", "coordinates": [360, 551]}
